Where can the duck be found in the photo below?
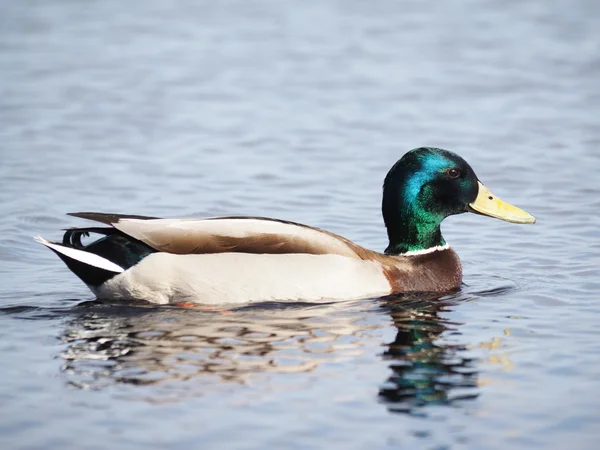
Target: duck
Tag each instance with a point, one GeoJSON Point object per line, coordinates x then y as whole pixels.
{"type": "Point", "coordinates": [243, 259]}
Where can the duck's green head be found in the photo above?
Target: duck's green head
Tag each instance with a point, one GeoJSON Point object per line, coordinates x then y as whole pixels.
{"type": "Point", "coordinates": [427, 185]}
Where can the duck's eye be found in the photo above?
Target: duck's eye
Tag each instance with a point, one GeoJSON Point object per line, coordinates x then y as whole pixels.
{"type": "Point", "coordinates": [453, 173]}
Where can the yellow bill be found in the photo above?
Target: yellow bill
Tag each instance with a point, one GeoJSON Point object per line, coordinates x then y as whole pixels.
{"type": "Point", "coordinates": [488, 204]}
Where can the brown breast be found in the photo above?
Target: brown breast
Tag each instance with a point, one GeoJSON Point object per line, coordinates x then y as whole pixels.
{"type": "Point", "coordinates": [438, 271]}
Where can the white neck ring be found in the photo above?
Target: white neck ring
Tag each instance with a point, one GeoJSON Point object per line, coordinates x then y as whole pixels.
{"type": "Point", "coordinates": [425, 251]}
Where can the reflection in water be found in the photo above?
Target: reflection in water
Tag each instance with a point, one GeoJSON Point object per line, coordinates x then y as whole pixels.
{"type": "Point", "coordinates": [148, 345]}
{"type": "Point", "coordinates": [144, 345]}
{"type": "Point", "coordinates": [424, 370]}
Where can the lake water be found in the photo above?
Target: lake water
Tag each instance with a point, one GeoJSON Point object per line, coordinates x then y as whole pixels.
{"type": "Point", "coordinates": [296, 110]}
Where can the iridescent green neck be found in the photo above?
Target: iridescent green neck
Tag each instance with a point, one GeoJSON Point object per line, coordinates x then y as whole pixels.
{"type": "Point", "coordinates": [412, 229]}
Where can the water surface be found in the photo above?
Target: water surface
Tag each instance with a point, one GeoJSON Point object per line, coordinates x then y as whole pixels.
{"type": "Point", "coordinates": [297, 111]}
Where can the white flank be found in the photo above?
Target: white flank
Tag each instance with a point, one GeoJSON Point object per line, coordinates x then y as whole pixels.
{"type": "Point", "coordinates": [82, 256]}
{"type": "Point", "coordinates": [244, 277]}
{"type": "Point", "coordinates": [425, 251]}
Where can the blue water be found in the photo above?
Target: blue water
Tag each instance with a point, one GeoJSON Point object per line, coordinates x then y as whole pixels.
{"type": "Point", "coordinates": [296, 111]}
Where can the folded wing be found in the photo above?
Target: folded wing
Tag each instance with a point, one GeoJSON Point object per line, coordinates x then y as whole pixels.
{"type": "Point", "coordinates": [229, 234]}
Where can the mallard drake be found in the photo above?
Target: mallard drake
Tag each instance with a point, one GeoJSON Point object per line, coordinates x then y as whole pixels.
{"type": "Point", "coordinates": [246, 259]}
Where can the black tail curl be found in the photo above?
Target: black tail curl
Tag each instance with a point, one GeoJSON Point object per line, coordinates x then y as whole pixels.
{"type": "Point", "coordinates": [72, 236]}
{"type": "Point", "coordinates": [114, 245]}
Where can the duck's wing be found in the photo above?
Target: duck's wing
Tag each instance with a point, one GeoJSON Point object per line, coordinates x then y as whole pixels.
{"type": "Point", "coordinates": [107, 218]}
{"type": "Point", "coordinates": [229, 234]}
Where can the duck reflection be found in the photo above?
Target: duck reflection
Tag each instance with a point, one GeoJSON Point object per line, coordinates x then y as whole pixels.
{"type": "Point", "coordinates": [143, 345]}
{"type": "Point", "coordinates": [425, 369]}
{"type": "Point", "coordinates": [140, 345]}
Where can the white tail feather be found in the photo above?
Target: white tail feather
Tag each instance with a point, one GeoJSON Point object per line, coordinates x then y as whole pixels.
{"type": "Point", "coordinates": [81, 256]}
